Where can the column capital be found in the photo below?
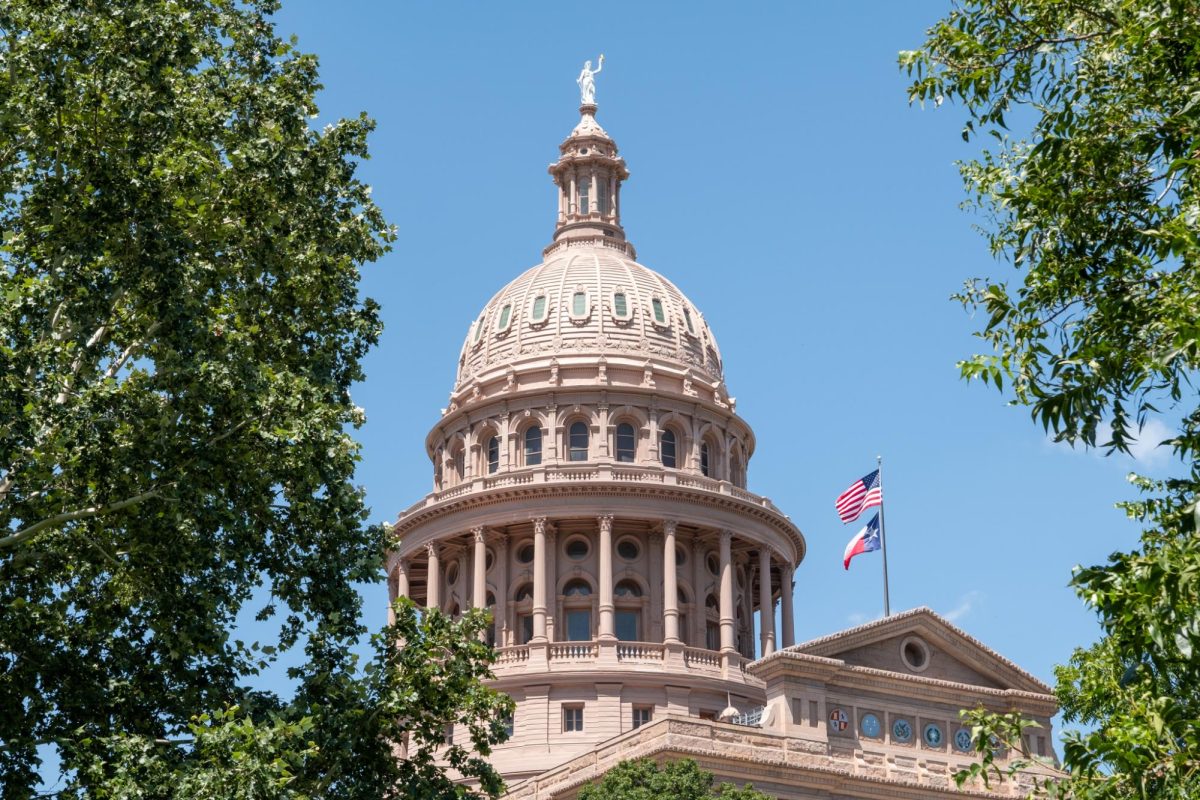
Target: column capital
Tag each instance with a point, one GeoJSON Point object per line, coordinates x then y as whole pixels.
{"type": "Point", "coordinates": [477, 534]}
{"type": "Point", "coordinates": [539, 524]}
{"type": "Point", "coordinates": [669, 525]}
{"type": "Point", "coordinates": [726, 536]}
{"type": "Point", "coordinates": [606, 522]}
{"type": "Point", "coordinates": [433, 550]}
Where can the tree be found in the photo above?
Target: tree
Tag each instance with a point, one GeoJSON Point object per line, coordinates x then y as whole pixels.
{"type": "Point", "coordinates": [180, 327]}
{"type": "Point", "coordinates": [641, 779]}
{"type": "Point", "coordinates": [1098, 206]}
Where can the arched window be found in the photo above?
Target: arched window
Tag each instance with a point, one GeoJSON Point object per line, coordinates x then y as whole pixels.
{"type": "Point", "coordinates": [627, 589]}
{"type": "Point", "coordinates": [705, 462]}
{"type": "Point", "coordinates": [579, 441]}
{"type": "Point", "coordinates": [533, 446]}
{"type": "Point", "coordinates": [626, 442]}
{"type": "Point", "coordinates": [459, 465]}
{"type": "Point", "coordinates": [578, 610]}
{"type": "Point", "coordinates": [628, 613]}
{"type": "Point", "coordinates": [577, 588]}
{"type": "Point", "coordinates": [524, 592]}
{"type": "Point", "coordinates": [666, 449]}
{"type": "Point", "coordinates": [493, 454]}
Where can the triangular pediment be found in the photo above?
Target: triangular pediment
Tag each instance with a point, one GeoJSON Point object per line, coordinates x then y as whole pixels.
{"type": "Point", "coordinates": [921, 643]}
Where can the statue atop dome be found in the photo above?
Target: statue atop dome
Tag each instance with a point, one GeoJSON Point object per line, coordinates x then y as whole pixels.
{"type": "Point", "coordinates": [587, 82]}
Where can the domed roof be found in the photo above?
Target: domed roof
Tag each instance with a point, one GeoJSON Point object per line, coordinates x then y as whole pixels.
{"type": "Point", "coordinates": [589, 300]}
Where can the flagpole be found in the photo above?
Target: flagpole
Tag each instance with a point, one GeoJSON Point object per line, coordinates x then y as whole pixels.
{"type": "Point", "coordinates": [887, 610]}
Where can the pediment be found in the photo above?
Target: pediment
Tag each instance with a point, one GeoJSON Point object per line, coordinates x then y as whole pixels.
{"type": "Point", "coordinates": [923, 644]}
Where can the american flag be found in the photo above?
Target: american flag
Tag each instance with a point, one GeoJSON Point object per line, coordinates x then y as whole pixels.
{"type": "Point", "coordinates": [864, 493]}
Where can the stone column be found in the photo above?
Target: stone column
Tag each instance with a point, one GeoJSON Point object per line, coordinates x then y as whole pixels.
{"type": "Point", "coordinates": [670, 585]}
{"type": "Point", "coordinates": [539, 580]}
{"type": "Point", "coordinates": [654, 634]}
{"type": "Point", "coordinates": [593, 196]}
{"type": "Point", "coordinates": [402, 578]}
{"type": "Point", "coordinates": [766, 604]}
{"type": "Point", "coordinates": [553, 612]}
{"type": "Point", "coordinates": [574, 204]}
{"type": "Point", "coordinates": [699, 596]}
{"type": "Point", "coordinates": [727, 640]}
{"type": "Point", "coordinates": [433, 579]}
{"type": "Point", "coordinates": [606, 579]}
{"type": "Point", "coordinates": [785, 607]}
{"type": "Point", "coordinates": [502, 591]}
{"type": "Point", "coordinates": [479, 573]}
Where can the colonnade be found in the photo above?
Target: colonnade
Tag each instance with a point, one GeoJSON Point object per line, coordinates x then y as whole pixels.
{"type": "Point", "coordinates": [662, 558]}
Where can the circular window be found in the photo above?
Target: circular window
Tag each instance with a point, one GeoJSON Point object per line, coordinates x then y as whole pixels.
{"type": "Point", "coordinates": [714, 563]}
{"type": "Point", "coordinates": [525, 554]}
{"type": "Point", "coordinates": [962, 739]}
{"type": "Point", "coordinates": [869, 725]}
{"type": "Point", "coordinates": [932, 734]}
{"type": "Point", "coordinates": [628, 549]}
{"type": "Point", "coordinates": [452, 574]}
{"type": "Point", "coordinates": [680, 556]}
{"type": "Point", "coordinates": [577, 549]}
{"type": "Point", "coordinates": [627, 589]}
{"type": "Point", "coordinates": [902, 730]}
{"type": "Point", "coordinates": [914, 653]}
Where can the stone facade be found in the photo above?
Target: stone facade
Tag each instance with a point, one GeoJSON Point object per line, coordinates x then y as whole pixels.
{"type": "Point", "coordinates": [590, 489]}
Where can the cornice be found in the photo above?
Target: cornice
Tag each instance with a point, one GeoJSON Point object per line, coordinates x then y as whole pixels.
{"type": "Point", "coordinates": [482, 498]}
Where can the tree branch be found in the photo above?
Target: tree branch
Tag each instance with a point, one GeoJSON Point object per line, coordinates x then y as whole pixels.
{"type": "Point", "coordinates": [70, 516]}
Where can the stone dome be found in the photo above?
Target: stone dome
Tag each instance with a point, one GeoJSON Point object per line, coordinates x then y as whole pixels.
{"type": "Point", "coordinates": [587, 301]}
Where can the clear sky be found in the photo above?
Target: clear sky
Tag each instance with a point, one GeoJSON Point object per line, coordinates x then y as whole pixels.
{"type": "Point", "coordinates": [781, 180]}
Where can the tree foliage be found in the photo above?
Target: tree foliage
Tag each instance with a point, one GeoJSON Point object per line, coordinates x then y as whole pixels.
{"type": "Point", "coordinates": [642, 779]}
{"type": "Point", "coordinates": [1098, 206]}
{"type": "Point", "coordinates": [180, 327]}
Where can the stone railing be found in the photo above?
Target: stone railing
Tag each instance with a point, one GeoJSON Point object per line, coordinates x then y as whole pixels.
{"type": "Point", "coordinates": [699, 658]}
{"type": "Point", "coordinates": [639, 651]}
{"type": "Point", "coordinates": [654, 656]}
{"type": "Point", "coordinates": [588, 473]}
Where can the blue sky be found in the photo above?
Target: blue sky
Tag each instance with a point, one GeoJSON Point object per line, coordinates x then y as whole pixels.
{"type": "Point", "coordinates": [781, 180]}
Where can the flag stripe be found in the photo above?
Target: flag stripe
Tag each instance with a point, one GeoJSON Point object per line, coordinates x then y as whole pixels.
{"type": "Point", "coordinates": [863, 494]}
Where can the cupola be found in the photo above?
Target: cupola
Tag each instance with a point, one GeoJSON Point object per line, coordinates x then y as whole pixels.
{"type": "Point", "coordinates": [588, 175]}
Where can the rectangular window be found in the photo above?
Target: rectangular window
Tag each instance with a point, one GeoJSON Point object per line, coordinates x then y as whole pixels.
{"type": "Point", "coordinates": [505, 314]}
{"type": "Point", "coordinates": [524, 628]}
{"type": "Point", "coordinates": [508, 725]}
{"type": "Point", "coordinates": [812, 713]}
{"type": "Point", "coordinates": [620, 306]}
{"type": "Point", "coordinates": [584, 187]}
{"type": "Point", "coordinates": [579, 304]}
{"type": "Point", "coordinates": [602, 196]}
{"type": "Point", "coordinates": [659, 316]}
{"type": "Point", "coordinates": [448, 734]}
{"type": "Point", "coordinates": [539, 307]}
{"type": "Point", "coordinates": [627, 625]}
{"type": "Point", "coordinates": [642, 715]}
{"type": "Point", "coordinates": [579, 625]}
{"type": "Point", "coordinates": [572, 719]}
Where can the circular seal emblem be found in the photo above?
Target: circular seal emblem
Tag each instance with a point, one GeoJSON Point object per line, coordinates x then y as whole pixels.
{"type": "Point", "coordinates": [838, 721]}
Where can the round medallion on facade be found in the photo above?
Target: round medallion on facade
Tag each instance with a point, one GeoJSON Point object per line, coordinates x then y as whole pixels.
{"type": "Point", "coordinates": [963, 740]}
{"type": "Point", "coordinates": [902, 730]}
{"type": "Point", "coordinates": [869, 725]}
{"type": "Point", "coordinates": [932, 735]}
{"type": "Point", "coordinates": [838, 721]}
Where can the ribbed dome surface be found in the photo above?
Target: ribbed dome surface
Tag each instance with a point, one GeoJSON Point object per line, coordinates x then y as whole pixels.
{"type": "Point", "coordinates": [546, 317]}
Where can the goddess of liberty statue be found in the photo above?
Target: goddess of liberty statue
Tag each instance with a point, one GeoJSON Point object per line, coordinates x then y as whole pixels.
{"type": "Point", "coordinates": [587, 82]}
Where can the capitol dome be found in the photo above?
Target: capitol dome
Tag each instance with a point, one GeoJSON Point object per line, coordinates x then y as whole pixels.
{"type": "Point", "coordinates": [587, 302]}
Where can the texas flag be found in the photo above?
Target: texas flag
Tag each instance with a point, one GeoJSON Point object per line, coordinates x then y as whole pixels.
{"type": "Point", "coordinates": [864, 541]}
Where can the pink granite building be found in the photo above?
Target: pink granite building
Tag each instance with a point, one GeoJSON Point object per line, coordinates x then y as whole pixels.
{"type": "Point", "coordinates": [589, 488]}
